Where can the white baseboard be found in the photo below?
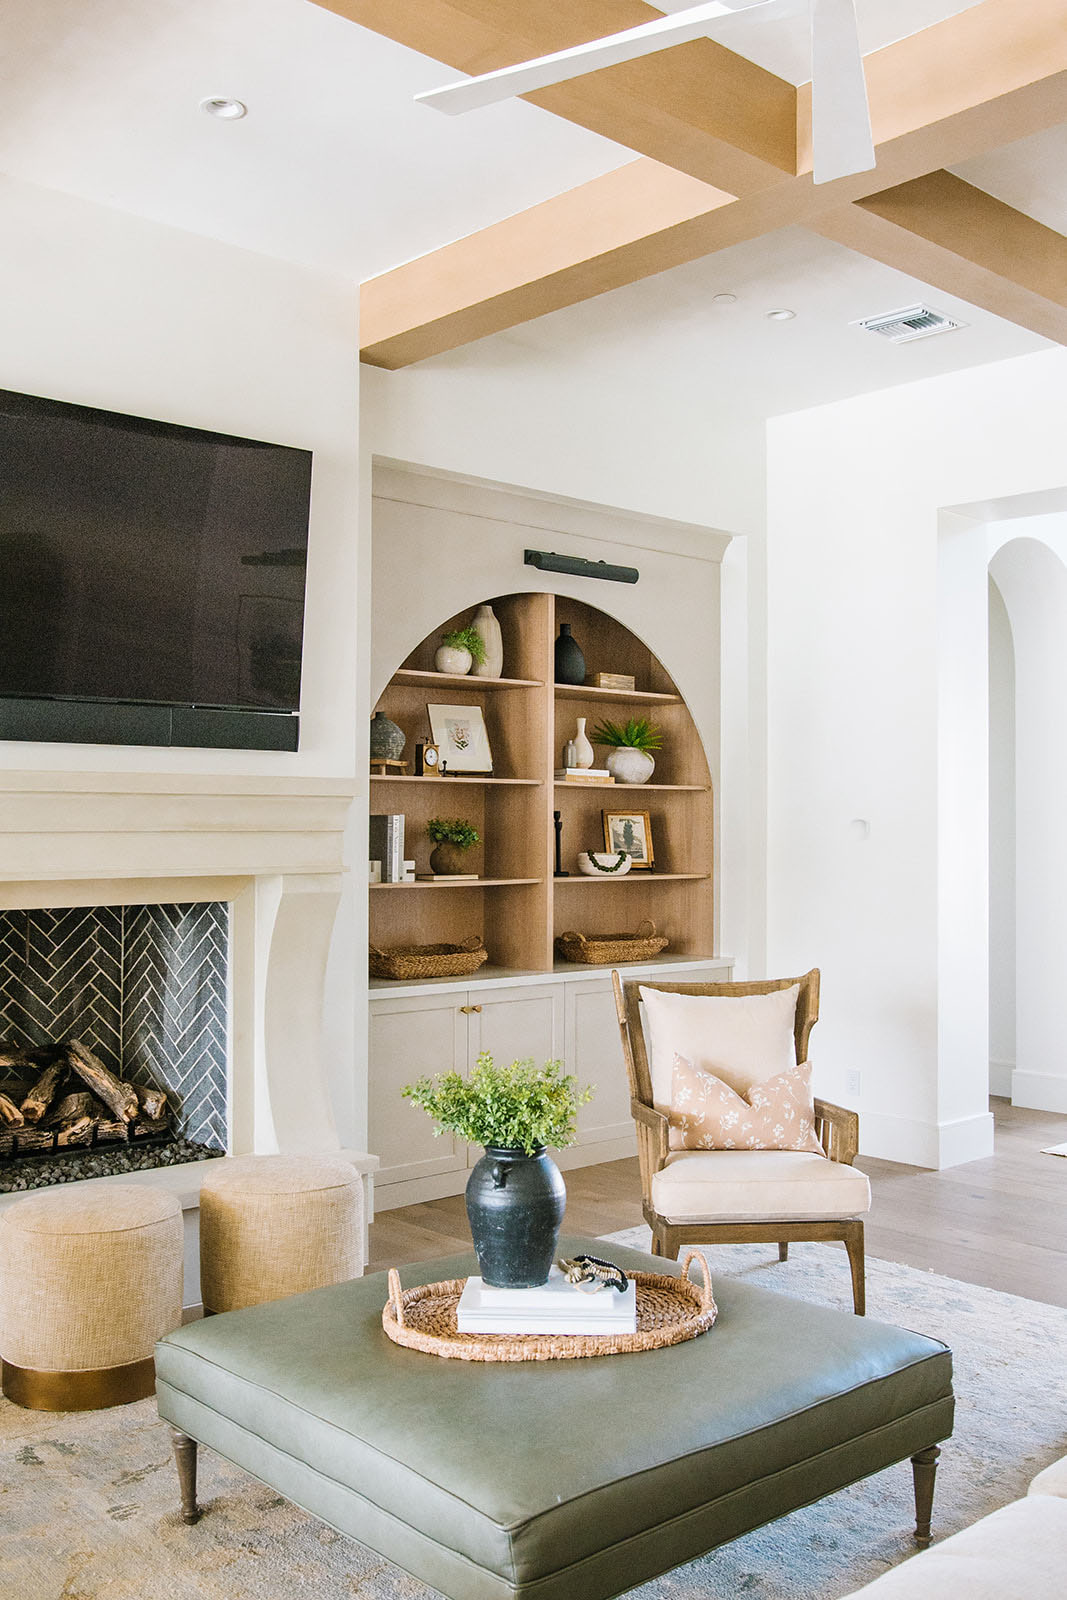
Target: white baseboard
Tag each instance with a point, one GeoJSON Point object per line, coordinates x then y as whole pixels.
{"type": "Point", "coordinates": [1000, 1075]}
{"type": "Point", "coordinates": [1039, 1091]}
{"type": "Point", "coordinates": [926, 1144]}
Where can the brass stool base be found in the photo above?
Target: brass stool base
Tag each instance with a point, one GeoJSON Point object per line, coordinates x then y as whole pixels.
{"type": "Point", "coordinates": [92, 1390]}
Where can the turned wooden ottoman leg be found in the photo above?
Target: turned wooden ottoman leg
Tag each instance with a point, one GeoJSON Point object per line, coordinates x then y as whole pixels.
{"type": "Point", "coordinates": [185, 1460]}
{"type": "Point", "coordinates": [924, 1469]}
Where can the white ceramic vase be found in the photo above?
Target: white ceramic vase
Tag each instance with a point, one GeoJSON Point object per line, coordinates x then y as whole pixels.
{"type": "Point", "coordinates": [583, 750]}
{"type": "Point", "coordinates": [486, 625]}
{"type": "Point", "coordinates": [457, 662]}
{"type": "Point", "coordinates": [628, 765]}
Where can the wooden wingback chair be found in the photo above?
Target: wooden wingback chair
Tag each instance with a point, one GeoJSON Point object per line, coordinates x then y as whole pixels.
{"type": "Point", "coordinates": [744, 1196]}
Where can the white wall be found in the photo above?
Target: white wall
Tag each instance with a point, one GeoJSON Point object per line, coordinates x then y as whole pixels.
{"type": "Point", "coordinates": [1001, 846]}
{"type": "Point", "coordinates": [106, 309]}
{"type": "Point", "coordinates": [1030, 569]}
{"type": "Point", "coordinates": [859, 559]}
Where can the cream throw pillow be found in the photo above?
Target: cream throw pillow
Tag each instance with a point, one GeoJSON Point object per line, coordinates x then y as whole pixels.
{"type": "Point", "coordinates": [777, 1114]}
{"type": "Point", "coordinates": [742, 1039]}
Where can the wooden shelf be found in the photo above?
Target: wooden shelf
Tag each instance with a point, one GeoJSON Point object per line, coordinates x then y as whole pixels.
{"type": "Point", "coordinates": [444, 777]}
{"type": "Point", "coordinates": [632, 877]}
{"type": "Point", "coordinates": [624, 788]}
{"type": "Point", "coordinates": [461, 883]}
{"type": "Point", "coordinates": [513, 815]}
{"type": "Point", "coordinates": [414, 678]}
{"type": "Point", "coordinates": [587, 691]}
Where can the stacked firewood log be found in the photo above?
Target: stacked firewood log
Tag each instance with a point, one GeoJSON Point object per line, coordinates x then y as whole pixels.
{"type": "Point", "coordinates": [72, 1098]}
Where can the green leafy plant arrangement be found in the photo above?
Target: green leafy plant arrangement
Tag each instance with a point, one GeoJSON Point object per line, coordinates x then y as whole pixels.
{"type": "Point", "coordinates": [516, 1107]}
{"type": "Point", "coordinates": [636, 734]}
{"type": "Point", "coordinates": [466, 639]}
{"type": "Point", "coordinates": [452, 830]}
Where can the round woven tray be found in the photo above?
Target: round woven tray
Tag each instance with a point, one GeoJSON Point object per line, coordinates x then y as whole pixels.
{"type": "Point", "coordinates": [669, 1311]}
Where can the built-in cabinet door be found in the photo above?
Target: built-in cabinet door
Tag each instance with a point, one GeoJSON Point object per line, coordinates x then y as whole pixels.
{"type": "Point", "coordinates": [594, 1055]}
{"type": "Point", "coordinates": [408, 1039]}
{"type": "Point", "coordinates": [514, 1024]}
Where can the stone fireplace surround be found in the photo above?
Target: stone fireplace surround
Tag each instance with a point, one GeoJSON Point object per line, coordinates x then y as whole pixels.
{"type": "Point", "coordinates": [271, 849]}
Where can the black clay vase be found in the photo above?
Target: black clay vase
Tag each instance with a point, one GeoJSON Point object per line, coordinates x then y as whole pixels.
{"type": "Point", "coordinates": [570, 662]}
{"type": "Point", "coordinates": [515, 1206]}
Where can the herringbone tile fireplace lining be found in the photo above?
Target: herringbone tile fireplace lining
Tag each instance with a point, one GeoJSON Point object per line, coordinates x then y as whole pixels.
{"type": "Point", "coordinates": [144, 986]}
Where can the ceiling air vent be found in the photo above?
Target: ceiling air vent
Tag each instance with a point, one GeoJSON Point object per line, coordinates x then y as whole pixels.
{"type": "Point", "coordinates": [914, 322]}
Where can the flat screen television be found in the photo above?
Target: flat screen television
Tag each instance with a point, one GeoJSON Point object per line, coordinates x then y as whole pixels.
{"type": "Point", "coordinates": [143, 563]}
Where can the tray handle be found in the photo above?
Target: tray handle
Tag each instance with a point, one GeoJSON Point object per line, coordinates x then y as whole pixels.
{"type": "Point", "coordinates": [650, 926]}
{"type": "Point", "coordinates": [397, 1299]}
{"type": "Point", "coordinates": [692, 1255]}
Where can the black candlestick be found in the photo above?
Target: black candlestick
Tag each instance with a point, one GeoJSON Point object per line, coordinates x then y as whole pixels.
{"type": "Point", "coordinates": [558, 819]}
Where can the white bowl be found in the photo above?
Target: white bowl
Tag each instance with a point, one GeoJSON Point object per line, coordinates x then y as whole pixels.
{"type": "Point", "coordinates": [604, 863]}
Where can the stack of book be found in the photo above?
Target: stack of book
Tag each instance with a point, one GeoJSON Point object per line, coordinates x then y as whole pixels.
{"type": "Point", "coordinates": [556, 1307]}
{"type": "Point", "coordinates": [583, 775]}
{"type": "Point", "coordinates": [387, 845]}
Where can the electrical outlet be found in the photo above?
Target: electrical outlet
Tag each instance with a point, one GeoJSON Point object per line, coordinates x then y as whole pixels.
{"type": "Point", "coordinates": [853, 1084]}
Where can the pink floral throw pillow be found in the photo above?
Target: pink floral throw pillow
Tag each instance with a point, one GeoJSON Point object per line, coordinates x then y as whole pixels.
{"type": "Point", "coordinates": [778, 1114]}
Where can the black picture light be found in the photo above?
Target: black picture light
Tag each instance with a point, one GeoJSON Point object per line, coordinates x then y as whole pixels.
{"type": "Point", "coordinates": [579, 567]}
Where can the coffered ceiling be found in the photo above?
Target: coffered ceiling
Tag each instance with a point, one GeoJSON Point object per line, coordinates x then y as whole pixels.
{"type": "Point", "coordinates": [610, 207]}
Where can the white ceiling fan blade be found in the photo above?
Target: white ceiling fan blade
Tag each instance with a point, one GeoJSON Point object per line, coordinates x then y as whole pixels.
{"type": "Point", "coordinates": [472, 93]}
{"type": "Point", "coordinates": [840, 116]}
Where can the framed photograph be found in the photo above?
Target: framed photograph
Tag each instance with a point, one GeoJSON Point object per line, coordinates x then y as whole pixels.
{"type": "Point", "coordinates": [630, 831]}
{"type": "Point", "coordinates": [460, 736]}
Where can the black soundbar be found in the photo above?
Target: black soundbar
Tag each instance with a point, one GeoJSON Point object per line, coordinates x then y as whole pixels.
{"type": "Point", "coordinates": [106, 722]}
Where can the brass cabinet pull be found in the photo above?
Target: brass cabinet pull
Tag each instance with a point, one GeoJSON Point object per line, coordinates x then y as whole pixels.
{"type": "Point", "coordinates": [468, 1009]}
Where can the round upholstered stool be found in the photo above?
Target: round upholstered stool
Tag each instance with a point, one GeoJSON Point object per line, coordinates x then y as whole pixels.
{"type": "Point", "coordinates": [272, 1226]}
{"type": "Point", "coordinates": [89, 1280]}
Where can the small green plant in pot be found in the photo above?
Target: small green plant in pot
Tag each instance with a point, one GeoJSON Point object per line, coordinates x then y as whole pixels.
{"type": "Point", "coordinates": [460, 650]}
{"type": "Point", "coordinates": [515, 1194]}
{"type": "Point", "coordinates": [630, 745]}
{"type": "Point", "coordinates": [452, 837]}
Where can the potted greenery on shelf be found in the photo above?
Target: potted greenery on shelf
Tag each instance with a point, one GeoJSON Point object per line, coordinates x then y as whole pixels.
{"type": "Point", "coordinates": [460, 650]}
{"type": "Point", "coordinates": [451, 836]}
{"type": "Point", "coordinates": [515, 1194]}
{"type": "Point", "coordinates": [630, 745]}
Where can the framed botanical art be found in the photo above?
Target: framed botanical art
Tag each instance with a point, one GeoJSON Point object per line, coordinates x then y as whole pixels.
{"type": "Point", "coordinates": [460, 735]}
{"type": "Point", "coordinates": [630, 831]}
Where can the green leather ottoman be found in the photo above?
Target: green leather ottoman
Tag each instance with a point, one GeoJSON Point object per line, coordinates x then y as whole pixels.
{"type": "Point", "coordinates": [561, 1479]}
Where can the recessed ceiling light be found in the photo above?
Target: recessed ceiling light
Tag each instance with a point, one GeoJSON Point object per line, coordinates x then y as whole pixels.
{"type": "Point", "coordinates": [226, 110]}
{"type": "Point", "coordinates": [781, 315]}
{"type": "Point", "coordinates": [724, 299]}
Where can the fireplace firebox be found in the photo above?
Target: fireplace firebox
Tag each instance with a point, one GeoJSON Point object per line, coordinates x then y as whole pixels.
{"type": "Point", "coordinates": [113, 1039]}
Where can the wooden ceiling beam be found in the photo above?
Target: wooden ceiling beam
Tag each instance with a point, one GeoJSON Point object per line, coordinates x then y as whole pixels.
{"type": "Point", "coordinates": [963, 241]}
{"type": "Point", "coordinates": [626, 225]}
{"type": "Point", "coordinates": [697, 106]}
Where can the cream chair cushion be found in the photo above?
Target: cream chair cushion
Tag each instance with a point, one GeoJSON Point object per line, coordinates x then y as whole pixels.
{"type": "Point", "coordinates": [757, 1186]}
{"type": "Point", "coordinates": [1013, 1553]}
{"type": "Point", "coordinates": [742, 1039]}
{"type": "Point", "coordinates": [1052, 1481]}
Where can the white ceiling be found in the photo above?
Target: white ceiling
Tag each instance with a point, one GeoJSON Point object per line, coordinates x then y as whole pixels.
{"type": "Point", "coordinates": [336, 167]}
{"type": "Point", "coordinates": [667, 330]}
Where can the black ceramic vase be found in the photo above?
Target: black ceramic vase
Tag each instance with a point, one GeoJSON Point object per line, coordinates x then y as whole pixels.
{"type": "Point", "coordinates": [570, 662]}
{"type": "Point", "coordinates": [515, 1206]}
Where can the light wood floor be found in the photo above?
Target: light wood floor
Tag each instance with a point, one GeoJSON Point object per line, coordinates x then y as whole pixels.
{"type": "Point", "coordinates": [1001, 1222]}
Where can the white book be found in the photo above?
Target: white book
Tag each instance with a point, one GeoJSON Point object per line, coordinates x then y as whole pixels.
{"type": "Point", "coordinates": [553, 1307]}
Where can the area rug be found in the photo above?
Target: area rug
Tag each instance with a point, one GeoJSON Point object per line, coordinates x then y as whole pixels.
{"type": "Point", "coordinates": [1054, 1150]}
{"type": "Point", "coordinates": [88, 1500]}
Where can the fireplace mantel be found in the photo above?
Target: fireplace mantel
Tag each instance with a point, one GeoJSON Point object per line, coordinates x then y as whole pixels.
{"type": "Point", "coordinates": [270, 846]}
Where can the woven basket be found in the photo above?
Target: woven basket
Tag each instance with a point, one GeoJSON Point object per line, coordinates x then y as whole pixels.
{"type": "Point", "coordinates": [669, 1311]}
{"type": "Point", "coordinates": [428, 960]}
{"type": "Point", "coordinates": [601, 949]}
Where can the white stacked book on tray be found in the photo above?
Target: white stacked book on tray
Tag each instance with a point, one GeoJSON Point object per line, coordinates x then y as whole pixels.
{"type": "Point", "coordinates": [555, 1307]}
